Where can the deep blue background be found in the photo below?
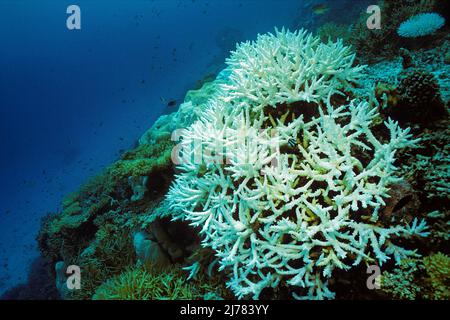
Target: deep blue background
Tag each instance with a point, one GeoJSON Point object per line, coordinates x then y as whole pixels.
{"type": "Point", "coordinates": [71, 101]}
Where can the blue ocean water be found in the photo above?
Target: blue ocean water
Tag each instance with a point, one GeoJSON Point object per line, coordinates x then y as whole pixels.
{"type": "Point", "coordinates": [72, 100]}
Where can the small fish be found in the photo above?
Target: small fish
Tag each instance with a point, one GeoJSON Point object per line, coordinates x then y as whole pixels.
{"type": "Point", "coordinates": [170, 103]}
{"type": "Point", "coordinates": [320, 9]}
{"type": "Point", "coordinates": [291, 147]}
{"type": "Point", "coordinates": [292, 143]}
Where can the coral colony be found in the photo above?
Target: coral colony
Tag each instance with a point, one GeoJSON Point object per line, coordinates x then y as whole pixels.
{"type": "Point", "coordinates": [317, 208]}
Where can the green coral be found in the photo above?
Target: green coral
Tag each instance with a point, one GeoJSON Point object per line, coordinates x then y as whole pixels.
{"type": "Point", "coordinates": [401, 282]}
{"type": "Point", "coordinates": [427, 278]}
{"type": "Point", "coordinates": [109, 254]}
{"type": "Point", "coordinates": [71, 218]}
{"type": "Point", "coordinates": [70, 199]}
{"type": "Point", "coordinates": [139, 283]}
{"type": "Point", "coordinates": [145, 160]}
{"type": "Point", "coordinates": [62, 236]}
{"type": "Point", "coordinates": [438, 269]}
{"type": "Point", "coordinates": [94, 228]}
{"type": "Point", "coordinates": [97, 196]}
{"type": "Point", "coordinates": [204, 93]}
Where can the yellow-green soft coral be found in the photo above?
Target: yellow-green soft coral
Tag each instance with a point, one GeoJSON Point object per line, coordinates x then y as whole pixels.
{"type": "Point", "coordinates": [142, 161]}
{"type": "Point", "coordinates": [71, 217]}
{"type": "Point", "coordinates": [139, 283]}
{"type": "Point", "coordinates": [438, 268]}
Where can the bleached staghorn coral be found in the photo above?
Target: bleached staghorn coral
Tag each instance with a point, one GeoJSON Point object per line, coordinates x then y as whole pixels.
{"type": "Point", "coordinates": [288, 67]}
{"type": "Point", "coordinates": [289, 198]}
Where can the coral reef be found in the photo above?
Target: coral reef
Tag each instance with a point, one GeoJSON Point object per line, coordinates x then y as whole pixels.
{"type": "Point", "coordinates": [379, 44]}
{"type": "Point", "coordinates": [90, 232]}
{"type": "Point", "coordinates": [429, 167]}
{"type": "Point", "coordinates": [291, 179]}
{"type": "Point", "coordinates": [413, 89]}
{"type": "Point", "coordinates": [99, 226]}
